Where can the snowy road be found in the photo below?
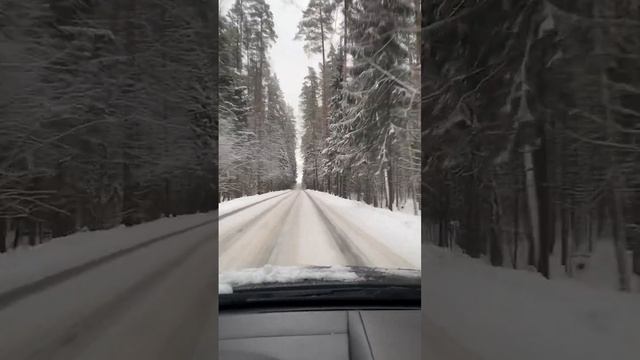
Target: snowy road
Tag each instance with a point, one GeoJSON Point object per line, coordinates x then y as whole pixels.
{"type": "Point", "coordinates": [299, 228]}
{"type": "Point", "coordinates": [153, 303]}
{"type": "Point", "coordinates": [118, 295]}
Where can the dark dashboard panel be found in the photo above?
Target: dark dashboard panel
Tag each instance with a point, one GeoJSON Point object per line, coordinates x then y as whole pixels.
{"type": "Point", "coordinates": [336, 334]}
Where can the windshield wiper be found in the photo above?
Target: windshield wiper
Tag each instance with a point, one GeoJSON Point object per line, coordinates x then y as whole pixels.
{"type": "Point", "coordinates": [325, 296]}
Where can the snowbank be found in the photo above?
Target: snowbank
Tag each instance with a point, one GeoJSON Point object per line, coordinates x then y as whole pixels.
{"type": "Point", "coordinates": [503, 314]}
{"type": "Point", "coordinates": [26, 265]}
{"type": "Point", "coordinates": [282, 274]}
{"type": "Point", "coordinates": [599, 268]}
{"type": "Point", "coordinates": [399, 231]}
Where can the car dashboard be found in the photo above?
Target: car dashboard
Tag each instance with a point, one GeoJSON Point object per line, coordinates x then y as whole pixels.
{"type": "Point", "coordinates": [337, 334]}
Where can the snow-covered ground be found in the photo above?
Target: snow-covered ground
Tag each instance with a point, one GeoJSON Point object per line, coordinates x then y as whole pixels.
{"type": "Point", "coordinates": [399, 231]}
{"type": "Point", "coordinates": [277, 274]}
{"type": "Point", "coordinates": [503, 314]}
{"type": "Point", "coordinates": [406, 206]}
{"type": "Point", "coordinates": [29, 264]}
{"type": "Point", "coordinates": [313, 228]}
{"type": "Point", "coordinates": [599, 269]}
{"type": "Point", "coordinates": [152, 303]}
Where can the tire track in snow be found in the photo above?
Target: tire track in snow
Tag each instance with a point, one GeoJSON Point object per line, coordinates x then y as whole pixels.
{"type": "Point", "coordinates": [18, 293]}
{"type": "Point", "coordinates": [241, 229]}
{"type": "Point", "coordinates": [267, 256]}
{"type": "Point", "coordinates": [252, 251]}
{"type": "Point", "coordinates": [352, 254]}
{"type": "Point", "coordinates": [289, 228]}
{"type": "Point", "coordinates": [248, 206]}
{"type": "Point", "coordinates": [367, 247]}
{"type": "Point", "coordinates": [93, 322]}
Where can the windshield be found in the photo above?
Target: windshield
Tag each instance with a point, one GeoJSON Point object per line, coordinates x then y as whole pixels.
{"type": "Point", "coordinates": [319, 142]}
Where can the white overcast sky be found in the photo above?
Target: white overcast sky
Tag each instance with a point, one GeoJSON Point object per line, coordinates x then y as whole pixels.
{"type": "Point", "coordinates": [288, 59]}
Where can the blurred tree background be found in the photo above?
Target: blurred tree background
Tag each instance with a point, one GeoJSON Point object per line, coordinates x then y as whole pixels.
{"type": "Point", "coordinates": [107, 114]}
{"type": "Point", "coordinates": [531, 130]}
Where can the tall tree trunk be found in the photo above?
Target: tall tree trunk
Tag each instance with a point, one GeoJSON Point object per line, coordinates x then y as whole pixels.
{"type": "Point", "coordinates": [33, 232]}
{"type": "Point", "coordinates": [325, 118]}
{"type": "Point", "coordinates": [602, 218]}
{"type": "Point", "coordinates": [79, 218]}
{"type": "Point", "coordinates": [259, 101]}
{"type": "Point", "coordinates": [619, 234]}
{"type": "Point", "coordinates": [240, 38]}
{"type": "Point", "coordinates": [315, 168]}
{"type": "Point", "coordinates": [564, 235]}
{"type": "Point", "coordinates": [563, 199]}
{"type": "Point", "coordinates": [526, 119]}
{"type": "Point", "coordinates": [532, 202]}
{"type": "Point", "coordinates": [17, 235]}
{"type": "Point", "coordinates": [414, 198]}
{"type": "Point", "coordinates": [344, 50]}
{"type": "Point", "coordinates": [495, 234]}
{"type": "Point", "coordinates": [516, 228]}
{"type": "Point", "coordinates": [4, 234]}
{"type": "Point", "coordinates": [545, 204]}
{"type": "Point", "coordinates": [616, 181]}
{"type": "Point", "coordinates": [442, 232]}
{"type": "Point", "coordinates": [389, 187]}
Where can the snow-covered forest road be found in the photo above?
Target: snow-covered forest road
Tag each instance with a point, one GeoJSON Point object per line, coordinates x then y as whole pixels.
{"type": "Point", "coordinates": [156, 302]}
{"type": "Point", "coordinates": [300, 227]}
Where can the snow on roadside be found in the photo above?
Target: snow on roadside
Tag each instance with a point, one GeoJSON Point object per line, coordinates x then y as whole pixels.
{"type": "Point", "coordinates": [599, 268]}
{"type": "Point", "coordinates": [504, 314]}
{"type": "Point", "coordinates": [233, 204]}
{"type": "Point", "coordinates": [407, 208]}
{"type": "Point", "coordinates": [26, 265]}
{"type": "Point", "coordinates": [282, 274]}
{"type": "Point", "coordinates": [399, 231]}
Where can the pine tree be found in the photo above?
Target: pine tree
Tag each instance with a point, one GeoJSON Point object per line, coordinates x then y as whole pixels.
{"type": "Point", "coordinates": [543, 108]}
{"type": "Point", "coordinates": [258, 130]}
{"type": "Point", "coordinates": [311, 138]}
{"type": "Point", "coordinates": [315, 28]}
{"type": "Point", "coordinates": [380, 84]}
{"type": "Point", "coordinates": [130, 114]}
